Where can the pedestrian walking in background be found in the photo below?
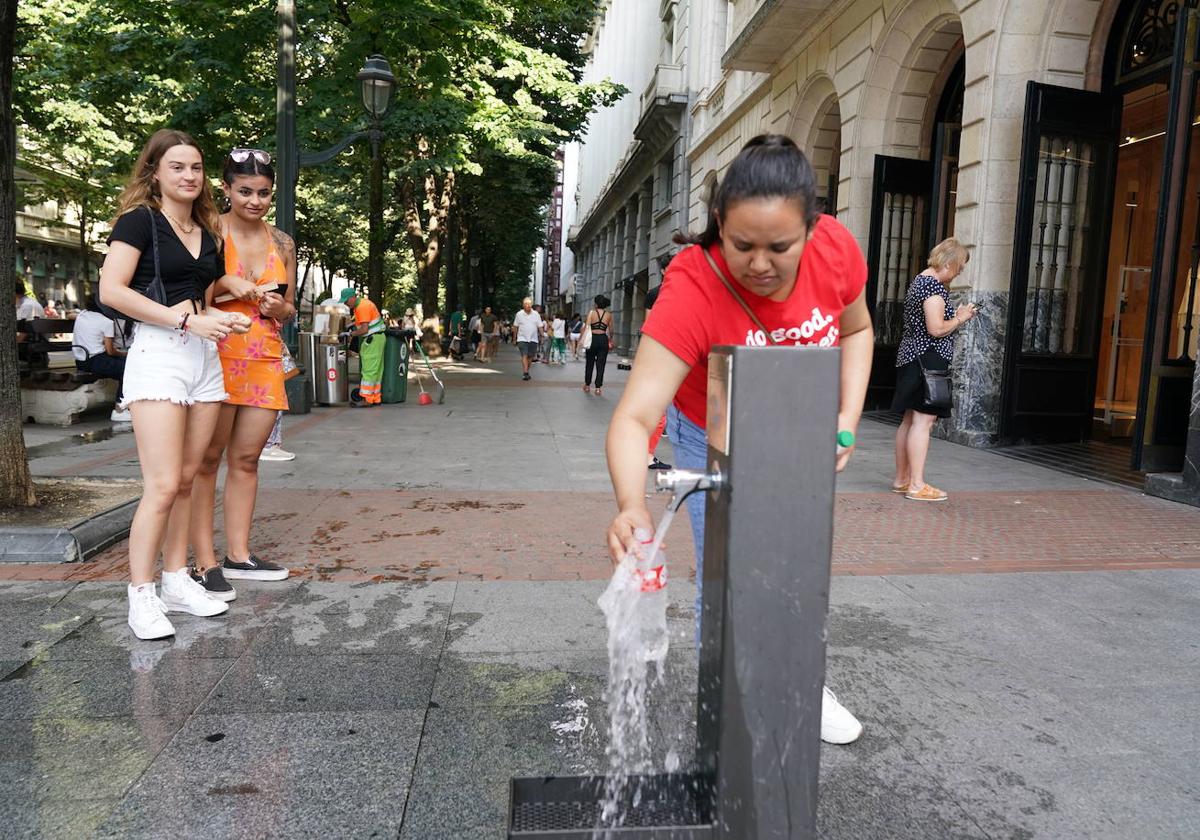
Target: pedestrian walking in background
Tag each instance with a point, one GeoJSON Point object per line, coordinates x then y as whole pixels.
{"type": "Point", "coordinates": [489, 329]}
{"type": "Point", "coordinates": [167, 229]}
{"type": "Point", "coordinates": [558, 339]}
{"type": "Point", "coordinates": [599, 325]}
{"type": "Point", "coordinates": [798, 277]}
{"type": "Point", "coordinates": [930, 324]}
{"type": "Point", "coordinates": [369, 327]}
{"type": "Point", "coordinates": [527, 333]}
{"type": "Point", "coordinates": [260, 282]}
{"type": "Point", "coordinates": [575, 332]}
{"type": "Point", "coordinates": [473, 332]}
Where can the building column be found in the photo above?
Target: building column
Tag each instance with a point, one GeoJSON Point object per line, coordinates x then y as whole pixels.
{"type": "Point", "coordinates": [1183, 486]}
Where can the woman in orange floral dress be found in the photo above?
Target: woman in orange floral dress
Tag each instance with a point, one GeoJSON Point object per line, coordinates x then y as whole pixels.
{"type": "Point", "coordinates": [260, 282]}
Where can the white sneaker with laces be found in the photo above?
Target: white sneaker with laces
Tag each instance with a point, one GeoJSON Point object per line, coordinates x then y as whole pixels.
{"type": "Point", "coordinates": [147, 615]}
{"type": "Point", "coordinates": [120, 416]}
{"type": "Point", "coordinates": [275, 453]}
{"type": "Point", "coordinates": [182, 594]}
{"type": "Point", "coordinates": [838, 726]}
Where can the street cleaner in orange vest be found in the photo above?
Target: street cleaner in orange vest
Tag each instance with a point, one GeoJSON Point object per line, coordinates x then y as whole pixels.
{"type": "Point", "coordinates": [369, 326]}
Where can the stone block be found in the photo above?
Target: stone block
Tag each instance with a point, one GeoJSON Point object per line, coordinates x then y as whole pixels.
{"type": "Point", "coordinates": [62, 408]}
{"type": "Point", "coordinates": [1020, 55]}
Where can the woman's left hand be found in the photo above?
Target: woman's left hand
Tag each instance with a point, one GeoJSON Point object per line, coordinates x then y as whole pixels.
{"type": "Point", "coordinates": [273, 306]}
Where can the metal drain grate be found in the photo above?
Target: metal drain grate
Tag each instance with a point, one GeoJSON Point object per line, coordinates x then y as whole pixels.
{"type": "Point", "coordinates": [571, 807]}
{"type": "Point", "coordinates": [575, 816]}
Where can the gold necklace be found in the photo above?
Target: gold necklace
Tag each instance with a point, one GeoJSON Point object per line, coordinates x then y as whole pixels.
{"type": "Point", "coordinates": [187, 229]}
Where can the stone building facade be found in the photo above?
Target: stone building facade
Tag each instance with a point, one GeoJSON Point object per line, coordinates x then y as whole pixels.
{"type": "Point", "coordinates": [632, 178]}
{"type": "Point", "coordinates": [1053, 137]}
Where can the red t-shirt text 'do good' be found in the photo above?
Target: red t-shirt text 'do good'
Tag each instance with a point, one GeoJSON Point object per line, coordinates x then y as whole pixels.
{"type": "Point", "coordinates": [695, 312]}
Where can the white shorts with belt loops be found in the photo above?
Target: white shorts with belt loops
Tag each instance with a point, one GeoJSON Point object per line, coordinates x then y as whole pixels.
{"type": "Point", "coordinates": [170, 364]}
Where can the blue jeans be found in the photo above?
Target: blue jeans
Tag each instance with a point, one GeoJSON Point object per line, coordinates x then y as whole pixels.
{"type": "Point", "coordinates": [690, 445]}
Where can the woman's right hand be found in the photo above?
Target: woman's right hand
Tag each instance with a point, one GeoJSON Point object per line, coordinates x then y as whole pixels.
{"type": "Point", "coordinates": [241, 288]}
{"type": "Point", "coordinates": [620, 532]}
{"type": "Point", "coordinates": [964, 313]}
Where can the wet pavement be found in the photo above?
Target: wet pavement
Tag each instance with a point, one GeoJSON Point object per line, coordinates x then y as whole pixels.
{"type": "Point", "coordinates": [441, 636]}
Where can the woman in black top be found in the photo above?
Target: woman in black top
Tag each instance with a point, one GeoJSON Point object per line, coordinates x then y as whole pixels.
{"type": "Point", "coordinates": [599, 322]}
{"type": "Point", "coordinates": [173, 381]}
{"type": "Point", "coordinates": [930, 324]}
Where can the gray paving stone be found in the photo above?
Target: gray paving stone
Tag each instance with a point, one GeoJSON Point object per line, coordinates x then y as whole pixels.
{"type": "Point", "coordinates": [874, 790]}
{"type": "Point", "coordinates": [383, 620]}
{"type": "Point", "coordinates": [25, 634]}
{"type": "Point", "coordinates": [511, 616]}
{"type": "Point", "coordinates": [149, 685]}
{"type": "Point", "coordinates": [337, 775]}
{"type": "Point", "coordinates": [461, 782]}
{"type": "Point", "coordinates": [78, 758]}
{"type": "Point", "coordinates": [109, 637]}
{"type": "Point", "coordinates": [54, 819]}
{"type": "Point", "coordinates": [277, 683]}
{"type": "Point", "coordinates": [1075, 798]}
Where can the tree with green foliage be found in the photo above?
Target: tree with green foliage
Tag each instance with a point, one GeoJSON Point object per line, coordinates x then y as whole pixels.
{"type": "Point", "coordinates": [16, 484]}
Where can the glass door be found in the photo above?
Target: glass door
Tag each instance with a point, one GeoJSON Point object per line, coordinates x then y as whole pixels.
{"type": "Point", "coordinates": [895, 253]}
{"type": "Point", "coordinates": [1058, 275]}
{"type": "Point", "coordinates": [1169, 362]}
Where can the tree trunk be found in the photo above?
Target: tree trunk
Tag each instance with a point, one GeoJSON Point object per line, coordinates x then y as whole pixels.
{"type": "Point", "coordinates": [426, 206]}
{"type": "Point", "coordinates": [454, 262]}
{"type": "Point", "coordinates": [85, 262]}
{"type": "Point", "coordinates": [16, 485]}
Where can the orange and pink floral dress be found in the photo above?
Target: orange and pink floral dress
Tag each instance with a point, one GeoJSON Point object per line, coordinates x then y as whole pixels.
{"type": "Point", "coordinates": [253, 362]}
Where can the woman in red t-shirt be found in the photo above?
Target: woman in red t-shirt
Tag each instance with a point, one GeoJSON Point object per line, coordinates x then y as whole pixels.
{"type": "Point", "coordinates": [802, 274]}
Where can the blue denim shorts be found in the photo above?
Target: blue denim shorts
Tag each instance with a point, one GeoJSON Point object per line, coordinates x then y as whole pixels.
{"type": "Point", "coordinates": [689, 443]}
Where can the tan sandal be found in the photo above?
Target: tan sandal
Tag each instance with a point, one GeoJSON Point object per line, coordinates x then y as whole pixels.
{"type": "Point", "coordinates": [899, 488]}
{"type": "Point", "coordinates": [928, 493]}
{"type": "Point", "coordinates": [587, 389]}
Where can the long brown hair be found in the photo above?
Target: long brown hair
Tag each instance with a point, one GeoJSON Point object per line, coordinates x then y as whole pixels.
{"type": "Point", "coordinates": [142, 191]}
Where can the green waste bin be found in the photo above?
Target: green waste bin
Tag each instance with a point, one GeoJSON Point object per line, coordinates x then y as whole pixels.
{"type": "Point", "coordinates": [395, 368]}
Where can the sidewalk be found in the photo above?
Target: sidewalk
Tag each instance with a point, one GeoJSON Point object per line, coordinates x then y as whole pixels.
{"type": "Point", "coordinates": [396, 682]}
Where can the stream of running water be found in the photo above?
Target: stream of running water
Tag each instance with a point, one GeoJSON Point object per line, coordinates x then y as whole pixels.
{"type": "Point", "coordinates": [636, 639]}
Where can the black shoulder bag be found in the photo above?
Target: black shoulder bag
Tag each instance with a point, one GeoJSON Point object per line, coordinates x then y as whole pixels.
{"type": "Point", "coordinates": [937, 386]}
{"type": "Point", "coordinates": [156, 291]}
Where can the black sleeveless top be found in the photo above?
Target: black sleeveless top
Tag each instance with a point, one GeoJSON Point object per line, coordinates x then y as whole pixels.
{"type": "Point", "coordinates": [599, 324]}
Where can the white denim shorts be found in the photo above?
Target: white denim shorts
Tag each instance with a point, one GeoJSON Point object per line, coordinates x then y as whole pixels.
{"type": "Point", "coordinates": [170, 364]}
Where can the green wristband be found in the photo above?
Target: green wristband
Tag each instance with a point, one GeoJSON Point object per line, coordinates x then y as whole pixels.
{"type": "Point", "coordinates": [845, 438]}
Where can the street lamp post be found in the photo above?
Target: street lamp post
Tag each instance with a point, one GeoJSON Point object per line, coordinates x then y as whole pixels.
{"type": "Point", "coordinates": [377, 83]}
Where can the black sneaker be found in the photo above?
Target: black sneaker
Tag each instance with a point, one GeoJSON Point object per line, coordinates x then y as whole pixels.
{"type": "Point", "coordinates": [214, 583]}
{"type": "Point", "coordinates": [254, 569]}
{"type": "Point", "coordinates": [659, 465]}
{"type": "Point", "coordinates": [526, 377]}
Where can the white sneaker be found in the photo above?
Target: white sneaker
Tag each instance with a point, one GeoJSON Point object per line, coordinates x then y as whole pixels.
{"type": "Point", "coordinates": [121, 415]}
{"type": "Point", "coordinates": [182, 594]}
{"type": "Point", "coordinates": [275, 453]}
{"type": "Point", "coordinates": [838, 726]}
{"type": "Point", "coordinates": [147, 615]}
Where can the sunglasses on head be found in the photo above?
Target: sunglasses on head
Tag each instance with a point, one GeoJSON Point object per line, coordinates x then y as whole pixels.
{"type": "Point", "coordinates": [243, 155]}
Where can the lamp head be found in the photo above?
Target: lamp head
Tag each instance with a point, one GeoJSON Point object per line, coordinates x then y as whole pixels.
{"type": "Point", "coordinates": [377, 83]}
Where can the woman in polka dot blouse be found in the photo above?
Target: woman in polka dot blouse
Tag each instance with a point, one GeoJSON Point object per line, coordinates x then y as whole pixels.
{"type": "Point", "coordinates": [930, 324]}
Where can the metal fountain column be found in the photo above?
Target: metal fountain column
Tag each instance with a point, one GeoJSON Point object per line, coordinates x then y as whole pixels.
{"type": "Point", "coordinates": [772, 425]}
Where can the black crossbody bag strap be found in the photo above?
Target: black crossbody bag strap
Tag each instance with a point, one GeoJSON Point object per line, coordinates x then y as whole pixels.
{"type": "Point", "coordinates": [728, 285]}
{"type": "Point", "coordinates": [156, 291]}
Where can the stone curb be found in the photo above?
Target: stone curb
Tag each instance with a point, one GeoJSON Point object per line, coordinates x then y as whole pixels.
{"type": "Point", "coordinates": [81, 541]}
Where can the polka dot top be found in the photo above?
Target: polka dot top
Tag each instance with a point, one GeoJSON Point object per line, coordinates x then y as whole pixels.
{"type": "Point", "coordinates": [916, 338]}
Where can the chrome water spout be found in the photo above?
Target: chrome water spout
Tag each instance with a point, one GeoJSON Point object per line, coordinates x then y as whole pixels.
{"type": "Point", "coordinates": [683, 483]}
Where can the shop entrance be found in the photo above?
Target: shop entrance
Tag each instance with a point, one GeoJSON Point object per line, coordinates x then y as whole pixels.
{"type": "Point", "coordinates": [912, 209]}
{"type": "Point", "coordinates": [1103, 314]}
